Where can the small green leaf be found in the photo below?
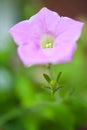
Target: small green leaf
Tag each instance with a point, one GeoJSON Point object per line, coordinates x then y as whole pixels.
{"type": "Point", "coordinates": [58, 77]}
{"type": "Point", "coordinates": [48, 79]}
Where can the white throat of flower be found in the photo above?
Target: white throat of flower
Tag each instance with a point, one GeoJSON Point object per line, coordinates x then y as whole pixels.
{"type": "Point", "coordinates": [47, 41]}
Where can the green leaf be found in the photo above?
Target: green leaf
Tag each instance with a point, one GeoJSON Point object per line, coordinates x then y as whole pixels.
{"type": "Point", "coordinates": [58, 77]}
{"type": "Point", "coordinates": [48, 79]}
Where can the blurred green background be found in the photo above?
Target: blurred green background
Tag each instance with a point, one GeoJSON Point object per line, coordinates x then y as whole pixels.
{"type": "Point", "coordinates": [24, 102]}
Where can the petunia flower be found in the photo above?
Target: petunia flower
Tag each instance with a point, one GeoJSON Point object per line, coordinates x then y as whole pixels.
{"type": "Point", "coordinates": [46, 38]}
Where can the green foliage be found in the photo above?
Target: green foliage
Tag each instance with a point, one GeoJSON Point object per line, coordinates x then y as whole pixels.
{"type": "Point", "coordinates": [48, 79]}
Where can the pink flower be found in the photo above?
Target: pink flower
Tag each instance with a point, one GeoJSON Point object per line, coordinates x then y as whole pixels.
{"type": "Point", "coordinates": [46, 38]}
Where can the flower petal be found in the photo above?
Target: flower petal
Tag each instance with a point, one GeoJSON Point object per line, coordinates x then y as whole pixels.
{"type": "Point", "coordinates": [20, 32]}
{"type": "Point", "coordinates": [68, 29]}
{"type": "Point", "coordinates": [26, 30]}
{"type": "Point", "coordinates": [49, 19]}
{"type": "Point", "coordinates": [65, 52]}
{"type": "Point", "coordinates": [30, 54]}
{"type": "Point", "coordinates": [62, 53]}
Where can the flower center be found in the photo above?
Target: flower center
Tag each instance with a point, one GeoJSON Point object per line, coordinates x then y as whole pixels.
{"type": "Point", "coordinates": [47, 41]}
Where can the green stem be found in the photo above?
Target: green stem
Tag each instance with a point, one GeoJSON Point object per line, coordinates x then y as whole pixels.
{"type": "Point", "coordinates": [50, 70]}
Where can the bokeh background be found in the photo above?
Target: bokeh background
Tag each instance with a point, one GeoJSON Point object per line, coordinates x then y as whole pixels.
{"type": "Point", "coordinates": [25, 104]}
